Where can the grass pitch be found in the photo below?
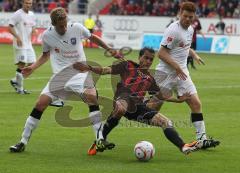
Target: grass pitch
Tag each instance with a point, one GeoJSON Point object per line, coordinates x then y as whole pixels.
{"type": "Point", "coordinates": [54, 148]}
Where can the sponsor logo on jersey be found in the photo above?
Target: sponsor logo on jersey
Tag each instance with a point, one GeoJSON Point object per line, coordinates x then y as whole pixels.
{"type": "Point", "coordinates": [57, 50]}
{"type": "Point", "coordinates": [73, 41]}
{"type": "Point", "coordinates": [169, 39]}
{"type": "Point", "coordinates": [181, 44]}
{"type": "Point", "coordinates": [70, 54]}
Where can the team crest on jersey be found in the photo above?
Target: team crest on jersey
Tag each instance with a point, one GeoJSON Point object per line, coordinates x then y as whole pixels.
{"type": "Point", "coordinates": [73, 41]}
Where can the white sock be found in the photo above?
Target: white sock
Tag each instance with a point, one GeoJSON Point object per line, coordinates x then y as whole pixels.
{"type": "Point", "coordinates": [95, 118]}
{"type": "Point", "coordinates": [30, 125]}
{"type": "Point", "coordinates": [200, 130]}
{"type": "Point", "coordinates": [19, 80]}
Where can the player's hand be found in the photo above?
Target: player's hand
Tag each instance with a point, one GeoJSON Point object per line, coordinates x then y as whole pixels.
{"type": "Point", "coordinates": [199, 60]}
{"type": "Point", "coordinates": [19, 42]}
{"type": "Point", "coordinates": [181, 74]}
{"type": "Point", "coordinates": [81, 66]}
{"type": "Point", "coordinates": [116, 54]}
{"type": "Point", "coordinates": [184, 97]}
{"type": "Point", "coordinates": [27, 71]}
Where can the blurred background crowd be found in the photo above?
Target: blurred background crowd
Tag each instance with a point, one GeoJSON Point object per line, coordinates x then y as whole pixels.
{"type": "Point", "coordinates": [205, 8]}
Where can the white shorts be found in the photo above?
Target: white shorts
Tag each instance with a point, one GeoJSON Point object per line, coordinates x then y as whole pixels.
{"type": "Point", "coordinates": [60, 88]}
{"type": "Point", "coordinates": [27, 56]}
{"type": "Point", "coordinates": [169, 83]}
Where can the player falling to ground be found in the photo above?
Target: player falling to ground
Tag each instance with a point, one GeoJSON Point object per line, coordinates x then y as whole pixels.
{"type": "Point", "coordinates": [21, 26]}
{"type": "Point", "coordinates": [135, 82]}
{"type": "Point", "coordinates": [62, 43]}
{"type": "Point", "coordinates": [172, 72]}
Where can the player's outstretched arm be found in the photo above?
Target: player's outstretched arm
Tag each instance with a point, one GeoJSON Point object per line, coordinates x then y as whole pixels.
{"type": "Point", "coordinates": [97, 40]}
{"type": "Point", "coordinates": [41, 60]}
{"type": "Point", "coordinates": [181, 99]}
{"type": "Point", "coordinates": [82, 67]}
{"type": "Point", "coordinates": [170, 98]}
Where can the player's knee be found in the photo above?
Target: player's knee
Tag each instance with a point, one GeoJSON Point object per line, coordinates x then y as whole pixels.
{"type": "Point", "coordinates": [41, 106]}
{"type": "Point", "coordinates": [119, 110]}
{"type": "Point", "coordinates": [90, 96]}
{"type": "Point", "coordinates": [161, 121]}
{"type": "Point", "coordinates": [21, 65]}
{"type": "Point", "coordinates": [196, 105]}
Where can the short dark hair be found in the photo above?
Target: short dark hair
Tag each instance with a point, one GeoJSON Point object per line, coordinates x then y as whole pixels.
{"type": "Point", "coordinates": [188, 6]}
{"type": "Point", "coordinates": [143, 50]}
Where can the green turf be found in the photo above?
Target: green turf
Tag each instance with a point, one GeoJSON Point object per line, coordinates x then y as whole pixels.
{"type": "Point", "coordinates": [54, 148]}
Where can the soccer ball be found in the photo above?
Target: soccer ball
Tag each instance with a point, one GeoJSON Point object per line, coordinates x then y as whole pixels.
{"type": "Point", "coordinates": [144, 150]}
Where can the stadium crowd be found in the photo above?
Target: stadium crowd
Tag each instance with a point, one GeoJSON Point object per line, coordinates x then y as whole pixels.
{"type": "Point", "coordinates": [205, 8]}
{"type": "Point", "coordinates": [45, 6]}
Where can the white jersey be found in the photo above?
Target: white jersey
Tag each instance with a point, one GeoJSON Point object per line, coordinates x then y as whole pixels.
{"type": "Point", "coordinates": [65, 49]}
{"type": "Point", "coordinates": [23, 24]}
{"type": "Point", "coordinates": [178, 40]}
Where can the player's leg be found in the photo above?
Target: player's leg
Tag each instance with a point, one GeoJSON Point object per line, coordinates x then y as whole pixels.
{"type": "Point", "coordinates": [198, 122]}
{"type": "Point", "coordinates": [166, 83]}
{"type": "Point", "coordinates": [195, 105]}
{"type": "Point", "coordinates": [20, 61]}
{"type": "Point", "coordinates": [151, 117]}
{"type": "Point", "coordinates": [172, 135]}
{"type": "Point", "coordinates": [120, 108]}
{"type": "Point", "coordinates": [90, 97]}
{"type": "Point", "coordinates": [17, 81]}
{"type": "Point", "coordinates": [100, 144]}
{"type": "Point", "coordinates": [154, 103]}
{"type": "Point", "coordinates": [32, 122]}
{"type": "Point", "coordinates": [83, 85]}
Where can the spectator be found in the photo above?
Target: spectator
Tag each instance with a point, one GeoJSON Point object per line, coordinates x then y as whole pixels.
{"type": "Point", "coordinates": [236, 13]}
{"type": "Point", "coordinates": [220, 26]}
{"type": "Point", "coordinates": [53, 4]}
{"type": "Point", "coordinates": [148, 8]}
{"type": "Point", "coordinates": [89, 23]}
{"type": "Point", "coordinates": [98, 23]}
{"type": "Point", "coordinates": [114, 9]}
{"type": "Point", "coordinates": [82, 5]}
{"type": "Point", "coordinates": [73, 7]}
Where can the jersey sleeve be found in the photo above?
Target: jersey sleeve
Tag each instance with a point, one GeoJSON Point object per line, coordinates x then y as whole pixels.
{"type": "Point", "coordinates": [170, 38]}
{"type": "Point", "coordinates": [84, 32]}
{"type": "Point", "coordinates": [119, 68]}
{"type": "Point", "coordinates": [14, 19]}
{"type": "Point", "coordinates": [45, 46]}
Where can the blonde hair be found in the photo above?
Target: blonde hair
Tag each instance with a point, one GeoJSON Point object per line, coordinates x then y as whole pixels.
{"type": "Point", "coordinates": [58, 14]}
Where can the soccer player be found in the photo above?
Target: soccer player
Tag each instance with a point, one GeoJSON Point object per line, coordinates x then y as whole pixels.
{"type": "Point", "coordinates": [135, 82]}
{"type": "Point", "coordinates": [62, 43]}
{"type": "Point", "coordinates": [172, 73]}
{"type": "Point", "coordinates": [21, 26]}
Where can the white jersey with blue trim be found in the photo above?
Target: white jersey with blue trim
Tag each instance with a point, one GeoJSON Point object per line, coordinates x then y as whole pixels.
{"type": "Point", "coordinates": [65, 49]}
